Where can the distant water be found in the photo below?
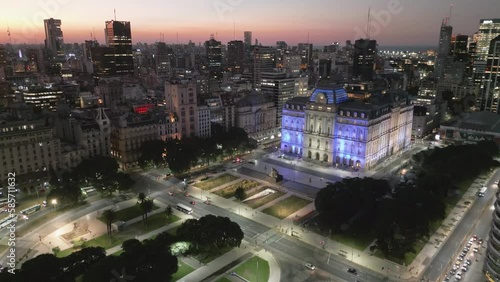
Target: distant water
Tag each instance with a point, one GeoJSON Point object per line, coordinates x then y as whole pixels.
{"type": "Point", "coordinates": [407, 48]}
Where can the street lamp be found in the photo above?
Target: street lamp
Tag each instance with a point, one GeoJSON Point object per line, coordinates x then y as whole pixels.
{"type": "Point", "coordinates": [54, 202]}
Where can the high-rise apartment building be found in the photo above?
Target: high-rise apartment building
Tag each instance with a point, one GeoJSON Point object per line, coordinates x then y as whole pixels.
{"type": "Point", "coordinates": [42, 98]}
{"type": "Point", "coordinates": [365, 51]}
{"type": "Point", "coordinates": [305, 51]}
{"type": "Point", "coordinates": [488, 30]}
{"type": "Point", "coordinates": [235, 55]}
{"type": "Point", "coordinates": [278, 88]}
{"type": "Point", "coordinates": [54, 37]}
{"type": "Point", "coordinates": [163, 65]}
{"type": "Point", "coordinates": [119, 37]}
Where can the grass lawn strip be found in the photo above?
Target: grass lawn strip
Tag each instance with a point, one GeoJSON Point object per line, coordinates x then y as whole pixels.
{"type": "Point", "coordinates": [255, 203]}
{"type": "Point", "coordinates": [128, 213]}
{"type": "Point", "coordinates": [255, 191]}
{"type": "Point", "coordinates": [286, 207]}
{"type": "Point", "coordinates": [184, 269]}
{"type": "Point", "coordinates": [155, 221]}
{"type": "Point", "coordinates": [215, 182]}
{"type": "Point", "coordinates": [228, 192]}
{"type": "Point", "coordinates": [254, 269]}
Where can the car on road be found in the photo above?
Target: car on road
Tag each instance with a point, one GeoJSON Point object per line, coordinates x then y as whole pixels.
{"type": "Point", "coordinates": [446, 278]}
{"type": "Point", "coordinates": [310, 266]}
{"type": "Point", "coordinates": [476, 249]}
{"type": "Point", "coordinates": [468, 261]}
{"type": "Point", "coordinates": [352, 271]}
{"type": "Point", "coordinates": [474, 238]}
{"type": "Point", "coordinates": [192, 203]}
{"type": "Point", "coordinates": [464, 269]}
{"type": "Point", "coordinates": [170, 193]}
{"type": "Point", "coordinates": [497, 181]}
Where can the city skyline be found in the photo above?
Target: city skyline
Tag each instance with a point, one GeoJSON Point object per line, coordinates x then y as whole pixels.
{"type": "Point", "coordinates": [319, 22]}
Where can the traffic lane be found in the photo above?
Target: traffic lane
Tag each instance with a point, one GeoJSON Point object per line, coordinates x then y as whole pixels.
{"type": "Point", "coordinates": [453, 243]}
{"type": "Point", "coordinates": [475, 272]}
{"type": "Point", "coordinates": [326, 176]}
{"type": "Point", "coordinates": [320, 258]}
{"type": "Point", "coordinates": [249, 227]}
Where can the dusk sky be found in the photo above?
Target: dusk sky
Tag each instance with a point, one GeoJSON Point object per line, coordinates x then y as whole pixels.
{"type": "Point", "coordinates": [411, 22]}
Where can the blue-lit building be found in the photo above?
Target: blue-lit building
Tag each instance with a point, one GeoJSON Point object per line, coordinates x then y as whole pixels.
{"type": "Point", "coordinates": [328, 127]}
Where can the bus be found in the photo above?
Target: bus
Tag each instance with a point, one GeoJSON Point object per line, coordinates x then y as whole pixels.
{"type": "Point", "coordinates": [184, 209]}
{"type": "Point", "coordinates": [7, 221]}
{"type": "Point", "coordinates": [31, 210]}
{"type": "Point", "coordinates": [482, 191]}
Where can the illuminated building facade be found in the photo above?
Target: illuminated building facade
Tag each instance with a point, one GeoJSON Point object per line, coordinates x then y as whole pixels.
{"type": "Point", "coordinates": [54, 37]}
{"type": "Point", "coordinates": [328, 128]}
{"type": "Point", "coordinates": [42, 98]}
{"type": "Point", "coordinates": [492, 257]}
{"type": "Point", "coordinates": [119, 37]}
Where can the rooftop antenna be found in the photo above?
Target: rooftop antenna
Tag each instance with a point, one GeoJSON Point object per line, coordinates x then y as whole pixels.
{"type": "Point", "coordinates": [451, 9]}
{"type": "Point", "coordinates": [368, 24]}
{"type": "Point", "coordinates": [93, 29]}
{"type": "Point", "coordinates": [114, 10]}
{"type": "Point", "coordinates": [8, 34]}
{"type": "Point", "coordinates": [177, 38]}
{"type": "Point", "coordinates": [215, 35]}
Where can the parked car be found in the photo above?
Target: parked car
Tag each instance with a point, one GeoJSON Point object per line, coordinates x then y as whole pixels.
{"type": "Point", "coordinates": [352, 270]}
{"type": "Point", "coordinates": [310, 266]}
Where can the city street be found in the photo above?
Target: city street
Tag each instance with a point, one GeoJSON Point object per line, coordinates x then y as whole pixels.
{"type": "Point", "coordinates": [476, 221]}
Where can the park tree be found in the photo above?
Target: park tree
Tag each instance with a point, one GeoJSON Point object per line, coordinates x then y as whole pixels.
{"type": "Point", "coordinates": [109, 217]}
{"type": "Point", "coordinates": [80, 261]}
{"type": "Point", "coordinates": [180, 155]}
{"type": "Point", "coordinates": [168, 211]}
{"type": "Point", "coordinates": [152, 152]}
{"type": "Point", "coordinates": [67, 194]}
{"type": "Point", "coordinates": [146, 207]}
{"type": "Point", "coordinates": [45, 267]}
{"type": "Point", "coordinates": [131, 246]}
{"type": "Point", "coordinates": [240, 193]}
{"type": "Point", "coordinates": [141, 197]}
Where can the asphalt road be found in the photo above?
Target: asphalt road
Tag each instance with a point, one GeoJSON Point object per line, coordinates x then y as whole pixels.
{"type": "Point", "coordinates": [284, 247]}
{"type": "Point", "coordinates": [478, 216]}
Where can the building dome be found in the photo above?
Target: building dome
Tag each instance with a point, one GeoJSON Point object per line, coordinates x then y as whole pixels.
{"type": "Point", "coordinates": [492, 257]}
{"type": "Point", "coordinates": [329, 94]}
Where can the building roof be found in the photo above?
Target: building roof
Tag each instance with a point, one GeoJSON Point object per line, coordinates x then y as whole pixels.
{"type": "Point", "coordinates": [480, 121]}
{"type": "Point", "coordinates": [334, 93]}
{"type": "Point", "coordinates": [252, 99]}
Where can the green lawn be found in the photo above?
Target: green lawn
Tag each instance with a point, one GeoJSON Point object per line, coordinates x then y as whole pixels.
{"type": "Point", "coordinates": [228, 192]}
{"type": "Point", "coordinates": [286, 207]}
{"type": "Point", "coordinates": [360, 241]}
{"type": "Point", "coordinates": [255, 203]}
{"type": "Point", "coordinates": [255, 191]}
{"type": "Point", "coordinates": [254, 269]}
{"type": "Point", "coordinates": [215, 182]}
{"type": "Point", "coordinates": [128, 213]}
{"type": "Point", "coordinates": [103, 241]}
{"type": "Point", "coordinates": [173, 231]}
{"type": "Point", "coordinates": [183, 270]}
{"type": "Point", "coordinates": [209, 255]}
{"type": "Point", "coordinates": [155, 221]}
{"type": "Point", "coordinates": [224, 279]}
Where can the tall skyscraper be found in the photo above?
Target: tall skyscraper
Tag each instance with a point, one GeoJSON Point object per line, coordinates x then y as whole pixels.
{"type": "Point", "coordinates": [364, 59]}
{"type": "Point", "coordinates": [213, 50]}
{"type": "Point", "coordinates": [443, 49]}
{"type": "Point", "coordinates": [235, 55]}
{"type": "Point", "coordinates": [163, 65]}
{"type": "Point", "coordinates": [488, 30]}
{"type": "Point", "coordinates": [305, 51]}
{"type": "Point", "coordinates": [459, 47]}
{"type": "Point", "coordinates": [54, 37]}
{"type": "Point", "coordinates": [492, 77]}
{"type": "Point", "coordinates": [263, 61]}
{"type": "Point", "coordinates": [119, 37]}
{"type": "Point", "coordinates": [248, 38]}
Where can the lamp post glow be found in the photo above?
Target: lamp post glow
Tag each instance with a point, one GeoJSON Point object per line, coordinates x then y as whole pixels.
{"type": "Point", "coordinates": [54, 202]}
